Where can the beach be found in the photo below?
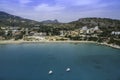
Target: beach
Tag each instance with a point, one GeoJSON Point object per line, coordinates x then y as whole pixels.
{"type": "Point", "coordinates": [22, 41]}
{"type": "Point", "coordinates": [46, 41]}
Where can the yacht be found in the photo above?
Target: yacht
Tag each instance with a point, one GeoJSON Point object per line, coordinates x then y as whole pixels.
{"type": "Point", "coordinates": [50, 72]}
{"type": "Point", "coordinates": [68, 69]}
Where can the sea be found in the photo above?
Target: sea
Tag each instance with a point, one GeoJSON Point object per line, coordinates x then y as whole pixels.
{"type": "Point", "coordinates": [33, 61]}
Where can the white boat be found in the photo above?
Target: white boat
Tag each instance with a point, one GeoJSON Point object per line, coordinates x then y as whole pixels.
{"type": "Point", "coordinates": [50, 72]}
{"type": "Point", "coordinates": [68, 69]}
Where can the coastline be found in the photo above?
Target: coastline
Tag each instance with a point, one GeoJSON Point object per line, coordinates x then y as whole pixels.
{"type": "Point", "coordinates": [70, 41]}
{"type": "Point", "coordinates": [22, 41]}
{"type": "Point", "coordinates": [110, 45]}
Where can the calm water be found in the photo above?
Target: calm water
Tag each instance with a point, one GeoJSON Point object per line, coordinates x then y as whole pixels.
{"type": "Point", "coordinates": [33, 61]}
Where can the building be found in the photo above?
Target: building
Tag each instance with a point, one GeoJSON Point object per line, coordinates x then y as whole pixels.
{"type": "Point", "coordinates": [40, 34]}
{"type": "Point", "coordinates": [88, 31]}
{"type": "Point", "coordinates": [96, 28]}
{"type": "Point", "coordinates": [26, 31]}
{"type": "Point", "coordinates": [115, 33]}
{"type": "Point", "coordinates": [84, 30]}
{"type": "Point", "coordinates": [6, 32]}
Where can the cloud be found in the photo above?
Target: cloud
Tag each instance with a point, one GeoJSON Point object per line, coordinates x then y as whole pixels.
{"type": "Point", "coordinates": [45, 11]}
{"type": "Point", "coordinates": [63, 10]}
{"type": "Point", "coordinates": [48, 8]}
{"type": "Point", "coordinates": [25, 1]}
{"type": "Point", "coordinates": [77, 2]}
{"type": "Point", "coordinates": [85, 2]}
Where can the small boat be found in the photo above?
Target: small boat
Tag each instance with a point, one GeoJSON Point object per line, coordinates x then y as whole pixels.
{"type": "Point", "coordinates": [50, 72]}
{"type": "Point", "coordinates": [68, 69]}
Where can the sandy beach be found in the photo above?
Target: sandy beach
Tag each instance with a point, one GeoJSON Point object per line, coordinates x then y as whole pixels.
{"type": "Point", "coordinates": [22, 41]}
{"type": "Point", "coordinates": [69, 41]}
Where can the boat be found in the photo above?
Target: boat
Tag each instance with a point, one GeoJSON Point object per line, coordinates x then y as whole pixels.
{"type": "Point", "coordinates": [68, 69]}
{"type": "Point", "coordinates": [50, 72]}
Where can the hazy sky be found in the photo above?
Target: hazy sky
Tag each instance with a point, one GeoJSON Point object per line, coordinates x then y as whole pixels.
{"type": "Point", "coordinates": [63, 10]}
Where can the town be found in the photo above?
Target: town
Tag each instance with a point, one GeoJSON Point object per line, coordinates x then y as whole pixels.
{"type": "Point", "coordinates": [81, 34]}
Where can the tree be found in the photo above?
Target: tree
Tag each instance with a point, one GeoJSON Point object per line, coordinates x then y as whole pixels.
{"type": "Point", "coordinates": [2, 32]}
{"type": "Point", "coordinates": [111, 40]}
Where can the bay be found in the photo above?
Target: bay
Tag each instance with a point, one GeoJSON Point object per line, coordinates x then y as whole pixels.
{"type": "Point", "coordinates": [33, 61]}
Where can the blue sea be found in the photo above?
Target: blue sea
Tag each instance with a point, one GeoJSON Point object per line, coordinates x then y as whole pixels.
{"type": "Point", "coordinates": [33, 61]}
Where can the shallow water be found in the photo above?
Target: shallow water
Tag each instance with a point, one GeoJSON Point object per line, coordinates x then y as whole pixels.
{"type": "Point", "coordinates": [33, 61]}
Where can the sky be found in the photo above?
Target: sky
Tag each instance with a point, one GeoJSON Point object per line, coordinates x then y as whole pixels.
{"type": "Point", "coordinates": [62, 10]}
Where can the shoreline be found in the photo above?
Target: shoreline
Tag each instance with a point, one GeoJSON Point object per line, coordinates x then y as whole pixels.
{"type": "Point", "coordinates": [22, 41]}
{"type": "Point", "coordinates": [110, 45]}
{"type": "Point", "coordinates": [70, 41]}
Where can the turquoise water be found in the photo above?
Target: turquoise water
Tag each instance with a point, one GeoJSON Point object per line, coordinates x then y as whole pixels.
{"type": "Point", "coordinates": [33, 61]}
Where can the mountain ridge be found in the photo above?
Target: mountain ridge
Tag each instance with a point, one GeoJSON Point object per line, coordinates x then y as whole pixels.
{"type": "Point", "coordinates": [50, 21]}
{"type": "Point", "coordinates": [7, 19]}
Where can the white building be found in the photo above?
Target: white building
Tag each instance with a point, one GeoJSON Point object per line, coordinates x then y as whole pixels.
{"type": "Point", "coordinates": [40, 34]}
{"type": "Point", "coordinates": [96, 28]}
{"type": "Point", "coordinates": [88, 31]}
{"type": "Point", "coordinates": [61, 33]}
{"type": "Point", "coordinates": [84, 28]}
{"type": "Point", "coordinates": [115, 33]}
{"type": "Point", "coordinates": [6, 32]}
{"type": "Point", "coordinates": [26, 31]}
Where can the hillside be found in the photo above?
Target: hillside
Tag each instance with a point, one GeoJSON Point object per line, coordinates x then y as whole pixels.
{"type": "Point", "coordinates": [50, 21]}
{"type": "Point", "coordinates": [101, 22]}
{"type": "Point", "coordinates": [104, 23]}
{"type": "Point", "coordinates": [12, 20]}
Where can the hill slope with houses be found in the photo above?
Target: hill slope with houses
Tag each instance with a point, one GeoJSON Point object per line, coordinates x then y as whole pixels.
{"type": "Point", "coordinates": [91, 29]}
